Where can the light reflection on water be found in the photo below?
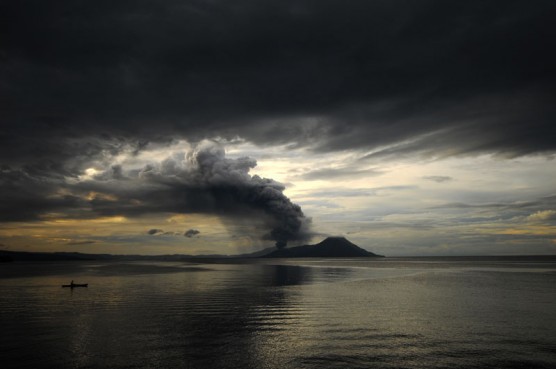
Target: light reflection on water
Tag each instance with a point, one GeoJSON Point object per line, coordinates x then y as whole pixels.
{"type": "Point", "coordinates": [299, 314]}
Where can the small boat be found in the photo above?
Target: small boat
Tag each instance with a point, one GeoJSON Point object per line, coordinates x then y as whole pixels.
{"type": "Point", "coordinates": [72, 285]}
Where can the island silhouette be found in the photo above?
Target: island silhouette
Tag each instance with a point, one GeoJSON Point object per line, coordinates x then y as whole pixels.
{"type": "Point", "coordinates": [329, 247]}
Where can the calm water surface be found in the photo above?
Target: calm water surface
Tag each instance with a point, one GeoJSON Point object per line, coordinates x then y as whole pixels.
{"type": "Point", "coordinates": [390, 313]}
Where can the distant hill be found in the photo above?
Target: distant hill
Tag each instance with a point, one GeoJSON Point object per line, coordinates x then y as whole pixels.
{"type": "Point", "coordinates": [50, 256]}
{"type": "Point", "coordinates": [8, 256]}
{"type": "Point", "coordinates": [71, 256]}
{"type": "Point", "coordinates": [330, 247]}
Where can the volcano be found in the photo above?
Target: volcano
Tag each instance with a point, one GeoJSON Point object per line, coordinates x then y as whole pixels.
{"type": "Point", "coordinates": [330, 247]}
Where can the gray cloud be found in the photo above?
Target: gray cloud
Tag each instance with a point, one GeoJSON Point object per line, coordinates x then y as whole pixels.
{"type": "Point", "coordinates": [191, 233]}
{"type": "Point", "coordinates": [438, 179]}
{"type": "Point", "coordinates": [508, 205]}
{"type": "Point", "coordinates": [359, 192]}
{"type": "Point", "coordinates": [336, 173]}
{"type": "Point", "coordinates": [84, 242]}
{"type": "Point", "coordinates": [543, 216]}
{"type": "Point", "coordinates": [161, 232]}
{"type": "Point", "coordinates": [320, 204]}
{"type": "Point", "coordinates": [537, 211]}
{"type": "Point", "coordinates": [356, 192]}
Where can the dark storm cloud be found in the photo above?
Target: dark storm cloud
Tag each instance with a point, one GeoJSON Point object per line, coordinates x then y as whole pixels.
{"type": "Point", "coordinates": [26, 194]}
{"type": "Point", "coordinates": [392, 77]}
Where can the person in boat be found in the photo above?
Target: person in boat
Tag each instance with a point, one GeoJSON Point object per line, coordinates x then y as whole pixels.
{"type": "Point", "coordinates": [71, 284]}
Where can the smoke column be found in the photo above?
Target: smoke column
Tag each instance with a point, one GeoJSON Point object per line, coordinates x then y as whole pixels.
{"type": "Point", "coordinates": [201, 180]}
{"type": "Point", "coordinates": [234, 190]}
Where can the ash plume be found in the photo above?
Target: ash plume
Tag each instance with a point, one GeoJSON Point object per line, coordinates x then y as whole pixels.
{"type": "Point", "coordinates": [234, 191]}
{"type": "Point", "coordinates": [202, 180]}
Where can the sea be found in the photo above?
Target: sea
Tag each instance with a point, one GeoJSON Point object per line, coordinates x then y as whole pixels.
{"type": "Point", "coordinates": [467, 312]}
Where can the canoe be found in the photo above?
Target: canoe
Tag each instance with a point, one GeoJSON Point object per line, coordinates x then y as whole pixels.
{"type": "Point", "coordinates": [75, 285]}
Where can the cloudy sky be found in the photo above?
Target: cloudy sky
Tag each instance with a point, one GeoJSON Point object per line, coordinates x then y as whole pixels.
{"type": "Point", "coordinates": [212, 126]}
